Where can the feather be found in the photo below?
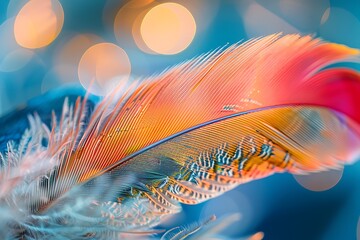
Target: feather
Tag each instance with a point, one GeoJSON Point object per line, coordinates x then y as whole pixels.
{"type": "Point", "coordinates": [263, 72]}
{"type": "Point", "coordinates": [195, 131]}
{"type": "Point", "coordinates": [32, 210]}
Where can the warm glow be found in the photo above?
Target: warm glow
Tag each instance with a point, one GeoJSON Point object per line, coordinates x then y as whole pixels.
{"type": "Point", "coordinates": [257, 236]}
{"type": "Point", "coordinates": [68, 55]}
{"type": "Point", "coordinates": [203, 12]}
{"type": "Point", "coordinates": [102, 66]}
{"type": "Point", "coordinates": [320, 181]}
{"type": "Point", "coordinates": [128, 21]}
{"type": "Point", "coordinates": [168, 28]}
{"type": "Point", "coordinates": [38, 23]}
{"type": "Point", "coordinates": [136, 34]}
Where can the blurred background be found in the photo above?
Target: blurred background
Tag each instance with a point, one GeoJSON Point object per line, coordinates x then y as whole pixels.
{"type": "Point", "coordinates": [47, 44]}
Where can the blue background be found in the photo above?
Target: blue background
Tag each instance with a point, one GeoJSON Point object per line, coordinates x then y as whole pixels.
{"type": "Point", "coordinates": [278, 205]}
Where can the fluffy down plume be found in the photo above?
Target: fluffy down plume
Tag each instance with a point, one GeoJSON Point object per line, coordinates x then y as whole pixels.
{"type": "Point", "coordinates": [234, 115]}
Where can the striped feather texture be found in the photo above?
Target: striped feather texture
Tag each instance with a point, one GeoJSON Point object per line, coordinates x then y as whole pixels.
{"type": "Point", "coordinates": [259, 73]}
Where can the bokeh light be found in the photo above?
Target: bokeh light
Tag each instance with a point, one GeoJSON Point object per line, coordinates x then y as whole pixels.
{"type": "Point", "coordinates": [342, 27]}
{"type": "Point", "coordinates": [259, 21]}
{"type": "Point", "coordinates": [15, 60]}
{"type": "Point", "coordinates": [320, 181]}
{"type": "Point", "coordinates": [128, 21]}
{"type": "Point", "coordinates": [102, 67]}
{"type": "Point", "coordinates": [38, 23]}
{"type": "Point", "coordinates": [256, 236]}
{"type": "Point", "coordinates": [129, 18]}
{"type": "Point", "coordinates": [325, 16]}
{"type": "Point", "coordinates": [305, 15]}
{"type": "Point", "coordinates": [14, 7]}
{"type": "Point", "coordinates": [26, 71]}
{"type": "Point", "coordinates": [12, 57]}
{"type": "Point", "coordinates": [203, 11]}
{"type": "Point", "coordinates": [233, 202]}
{"type": "Point", "coordinates": [168, 28]}
{"type": "Point", "coordinates": [136, 33]}
{"type": "Point", "coordinates": [69, 53]}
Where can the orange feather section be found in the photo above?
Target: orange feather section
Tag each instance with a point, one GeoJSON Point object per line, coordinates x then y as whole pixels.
{"type": "Point", "coordinates": [259, 73]}
{"type": "Point", "coordinates": [203, 162]}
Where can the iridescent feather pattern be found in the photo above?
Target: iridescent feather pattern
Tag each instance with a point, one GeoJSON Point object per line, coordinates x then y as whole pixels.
{"type": "Point", "coordinates": [197, 130]}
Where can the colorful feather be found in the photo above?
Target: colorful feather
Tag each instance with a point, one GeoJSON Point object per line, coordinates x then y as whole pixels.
{"type": "Point", "coordinates": [195, 131]}
{"type": "Point", "coordinates": [265, 72]}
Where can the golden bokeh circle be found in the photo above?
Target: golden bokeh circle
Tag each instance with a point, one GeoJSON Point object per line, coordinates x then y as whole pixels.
{"type": "Point", "coordinates": [102, 66]}
{"type": "Point", "coordinates": [38, 23]}
{"type": "Point", "coordinates": [168, 28]}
